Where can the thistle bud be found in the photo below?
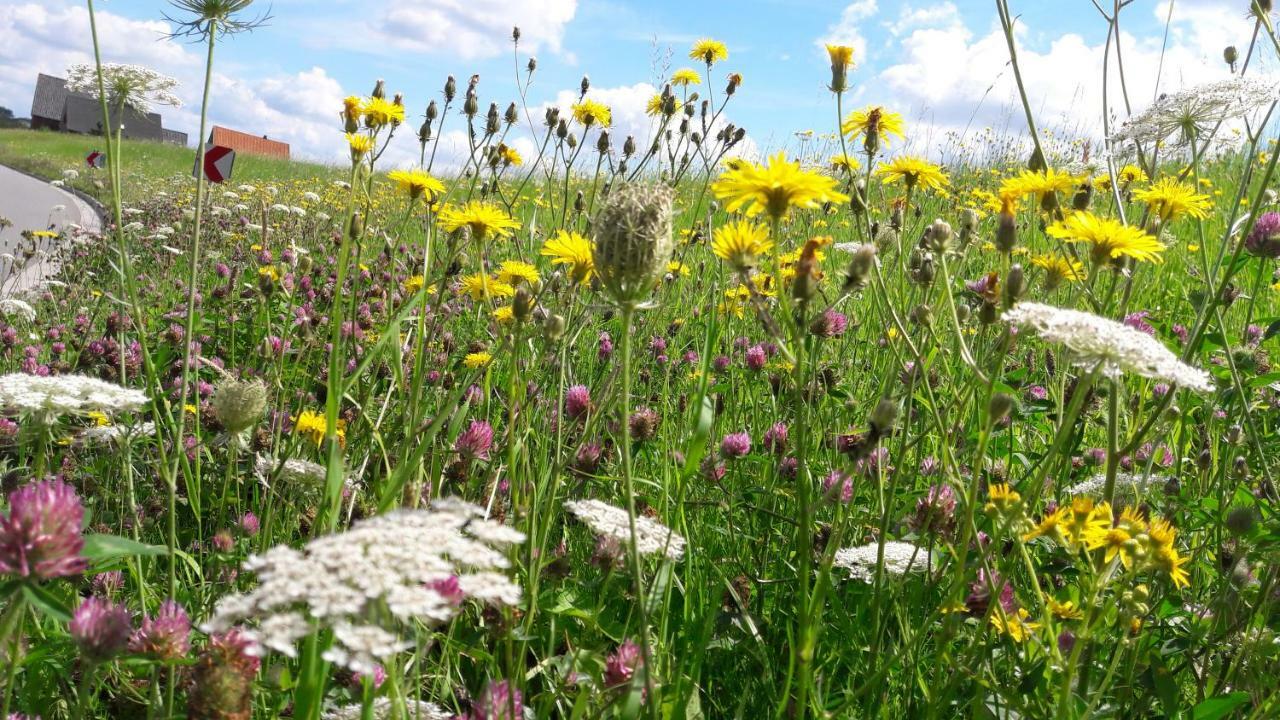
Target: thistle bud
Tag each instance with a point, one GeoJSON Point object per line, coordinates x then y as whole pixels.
{"type": "Point", "coordinates": [379, 89]}
{"type": "Point", "coordinates": [922, 314]}
{"type": "Point", "coordinates": [471, 105]}
{"type": "Point", "coordinates": [450, 89]}
{"type": "Point", "coordinates": [239, 404]}
{"type": "Point", "coordinates": [962, 313]}
{"type": "Point", "coordinates": [629, 146]}
{"type": "Point", "coordinates": [1015, 283]}
{"type": "Point", "coordinates": [939, 236]}
{"type": "Point", "coordinates": [491, 121]}
{"type": "Point", "coordinates": [602, 142]}
{"type": "Point", "coordinates": [585, 86]}
{"type": "Point", "coordinates": [1000, 406]}
{"type": "Point", "coordinates": [1006, 232]}
{"type": "Point", "coordinates": [633, 240]}
{"type": "Point", "coordinates": [883, 417]}
{"type": "Point", "coordinates": [522, 303]}
{"type": "Point", "coordinates": [511, 117]}
{"type": "Point", "coordinates": [424, 132]}
{"type": "Point", "coordinates": [553, 328]}
{"type": "Point", "coordinates": [562, 129]}
{"type": "Point", "coordinates": [571, 141]}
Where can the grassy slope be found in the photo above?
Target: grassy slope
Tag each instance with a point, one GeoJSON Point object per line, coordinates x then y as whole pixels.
{"type": "Point", "coordinates": [47, 154]}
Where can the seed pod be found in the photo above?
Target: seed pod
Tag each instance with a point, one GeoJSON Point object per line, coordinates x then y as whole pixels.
{"type": "Point", "coordinates": [491, 121]}
{"type": "Point", "coordinates": [552, 117]}
{"type": "Point", "coordinates": [532, 64]}
{"type": "Point", "coordinates": [1231, 55]}
{"type": "Point", "coordinates": [239, 404]}
{"type": "Point", "coordinates": [562, 129]}
{"type": "Point", "coordinates": [633, 240]}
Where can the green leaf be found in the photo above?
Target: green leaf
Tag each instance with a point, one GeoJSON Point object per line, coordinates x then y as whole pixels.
{"type": "Point", "coordinates": [1216, 708]}
{"type": "Point", "coordinates": [44, 601]}
{"type": "Point", "coordinates": [107, 547]}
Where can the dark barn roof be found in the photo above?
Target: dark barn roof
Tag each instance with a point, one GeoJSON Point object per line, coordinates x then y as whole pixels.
{"type": "Point", "coordinates": [84, 115]}
{"type": "Point", "coordinates": [50, 98]}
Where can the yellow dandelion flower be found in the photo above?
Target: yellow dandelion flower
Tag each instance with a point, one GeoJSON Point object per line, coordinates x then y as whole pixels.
{"type": "Point", "coordinates": [379, 112]}
{"type": "Point", "coordinates": [654, 107]}
{"type": "Point", "coordinates": [483, 287]}
{"type": "Point", "coordinates": [509, 155]}
{"type": "Point", "coordinates": [412, 284]}
{"type": "Point", "coordinates": [913, 171]}
{"type": "Point", "coordinates": [360, 145]}
{"type": "Point", "coordinates": [482, 218]}
{"type": "Point", "coordinates": [504, 315]}
{"type": "Point", "coordinates": [512, 272]}
{"type": "Point", "coordinates": [571, 249]}
{"type": "Point", "coordinates": [709, 51]}
{"type": "Point", "coordinates": [685, 77]}
{"type": "Point", "coordinates": [1058, 269]}
{"type": "Point", "coordinates": [270, 272]}
{"type": "Point", "coordinates": [741, 243]}
{"type": "Point", "coordinates": [675, 267]}
{"type": "Point", "coordinates": [1170, 200]}
{"type": "Point", "coordinates": [1003, 501]}
{"type": "Point", "coordinates": [592, 112]}
{"type": "Point", "coordinates": [1109, 238]}
{"type": "Point", "coordinates": [776, 188]}
{"type": "Point", "coordinates": [99, 418]}
{"type": "Point", "coordinates": [840, 54]}
{"type": "Point", "coordinates": [416, 184]}
{"type": "Point", "coordinates": [314, 426]}
{"type": "Point", "coordinates": [1064, 610]}
{"type": "Point", "coordinates": [476, 360]}
{"type": "Point", "coordinates": [1044, 186]}
{"type": "Point", "coordinates": [875, 123]}
{"type": "Point", "coordinates": [1015, 625]}
{"type": "Point", "coordinates": [844, 162]}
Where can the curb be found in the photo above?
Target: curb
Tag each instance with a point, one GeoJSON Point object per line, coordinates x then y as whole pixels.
{"type": "Point", "coordinates": [30, 278]}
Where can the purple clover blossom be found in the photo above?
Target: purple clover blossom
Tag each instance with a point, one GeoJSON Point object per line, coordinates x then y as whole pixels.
{"type": "Point", "coordinates": [829, 324]}
{"type": "Point", "coordinates": [1138, 321]}
{"type": "Point", "coordinates": [41, 536]}
{"type": "Point", "coordinates": [622, 664]}
{"type": "Point", "coordinates": [735, 445]}
{"type": "Point", "coordinates": [1264, 239]}
{"type": "Point", "coordinates": [498, 701]}
{"type": "Point", "coordinates": [837, 486]}
{"type": "Point", "coordinates": [577, 402]}
{"type": "Point", "coordinates": [166, 635]}
{"type": "Point", "coordinates": [775, 438]}
{"type": "Point", "coordinates": [475, 442]}
{"type": "Point", "coordinates": [100, 629]}
{"type": "Point", "coordinates": [756, 357]}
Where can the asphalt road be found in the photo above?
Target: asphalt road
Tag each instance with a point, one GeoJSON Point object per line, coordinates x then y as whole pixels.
{"type": "Point", "coordinates": [31, 204]}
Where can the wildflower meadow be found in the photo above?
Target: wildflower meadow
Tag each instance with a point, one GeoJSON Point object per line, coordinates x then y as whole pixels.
{"type": "Point", "coordinates": [664, 426]}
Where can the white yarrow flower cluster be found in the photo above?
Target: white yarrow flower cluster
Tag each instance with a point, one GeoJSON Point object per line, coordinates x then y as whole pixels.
{"type": "Point", "coordinates": [1127, 484]}
{"type": "Point", "coordinates": [1118, 348]}
{"type": "Point", "coordinates": [1194, 111]}
{"type": "Point", "coordinates": [414, 710]}
{"type": "Point", "coordinates": [900, 558]}
{"type": "Point", "coordinates": [13, 307]}
{"type": "Point", "coordinates": [652, 537]}
{"type": "Point", "coordinates": [133, 85]}
{"type": "Point", "coordinates": [370, 582]}
{"type": "Point", "coordinates": [45, 399]}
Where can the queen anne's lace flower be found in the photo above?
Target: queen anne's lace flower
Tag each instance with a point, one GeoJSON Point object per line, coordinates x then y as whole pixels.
{"type": "Point", "coordinates": [13, 307]}
{"type": "Point", "coordinates": [1126, 483]}
{"type": "Point", "coordinates": [414, 709]}
{"type": "Point", "coordinates": [290, 471]}
{"type": "Point", "coordinates": [612, 522]}
{"type": "Point", "coordinates": [1115, 347]}
{"type": "Point", "coordinates": [49, 397]}
{"type": "Point", "coordinates": [1194, 111]}
{"type": "Point", "coordinates": [367, 583]}
{"type": "Point", "coordinates": [900, 558]}
{"type": "Point", "coordinates": [133, 85]}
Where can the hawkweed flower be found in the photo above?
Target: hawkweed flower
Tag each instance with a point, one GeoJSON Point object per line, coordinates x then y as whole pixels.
{"type": "Point", "coordinates": [591, 113]}
{"type": "Point", "coordinates": [1058, 269]}
{"type": "Point", "coordinates": [417, 184]}
{"type": "Point", "coordinates": [1263, 239]}
{"type": "Point", "coordinates": [607, 521]}
{"type": "Point", "coordinates": [378, 112]}
{"type": "Point", "coordinates": [476, 360]}
{"type": "Point", "coordinates": [775, 188]}
{"type": "Point", "coordinates": [360, 145]}
{"type": "Point", "coordinates": [913, 172]}
{"type": "Point", "coordinates": [315, 426]}
{"type": "Point", "coordinates": [741, 244]}
{"type": "Point", "coordinates": [1109, 238]}
{"type": "Point", "coordinates": [900, 558]}
{"type": "Point", "coordinates": [1169, 200]}
{"type": "Point", "coordinates": [100, 629]}
{"type": "Point", "coordinates": [1043, 185]}
{"type": "Point", "coordinates": [40, 538]}
{"type": "Point", "coordinates": [1112, 347]}
{"type": "Point", "coordinates": [475, 442]}
{"type": "Point", "coordinates": [685, 77]}
{"type": "Point", "coordinates": [165, 635]}
{"type": "Point", "coordinates": [709, 51]}
{"type": "Point", "coordinates": [371, 583]}
{"type": "Point", "coordinates": [572, 250]}
{"type": "Point", "coordinates": [633, 240]}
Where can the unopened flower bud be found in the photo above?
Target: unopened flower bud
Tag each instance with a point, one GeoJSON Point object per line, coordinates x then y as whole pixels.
{"type": "Point", "coordinates": [602, 142]}
{"type": "Point", "coordinates": [553, 328]}
{"type": "Point", "coordinates": [471, 105]}
{"type": "Point", "coordinates": [522, 303]}
{"type": "Point", "coordinates": [379, 89]}
{"type": "Point", "coordinates": [629, 146]}
{"type": "Point", "coordinates": [239, 404]}
{"type": "Point", "coordinates": [515, 34]}
{"type": "Point", "coordinates": [1006, 232]}
{"type": "Point", "coordinates": [860, 267]}
{"type": "Point", "coordinates": [1000, 406]}
{"type": "Point", "coordinates": [511, 117]}
{"type": "Point", "coordinates": [633, 240]}
{"type": "Point", "coordinates": [922, 314]}
{"type": "Point", "coordinates": [532, 65]}
{"type": "Point", "coordinates": [585, 85]}
{"type": "Point", "coordinates": [939, 234]}
{"type": "Point", "coordinates": [356, 229]}
{"type": "Point", "coordinates": [1231, 55]}
{"type": "Point", "coordinates": [1015, 283]}
{"type": "Point", "coordinates": [883, 417]}
{"type": "Point", "coordinates": [450, 89]}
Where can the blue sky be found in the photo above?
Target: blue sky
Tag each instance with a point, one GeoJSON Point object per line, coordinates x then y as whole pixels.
{"type": "Point", "coordinates": [942, 64]}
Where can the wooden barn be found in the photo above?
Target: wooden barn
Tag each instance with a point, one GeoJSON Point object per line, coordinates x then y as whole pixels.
{"type": "Point", "coordinates": [249, 144]}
